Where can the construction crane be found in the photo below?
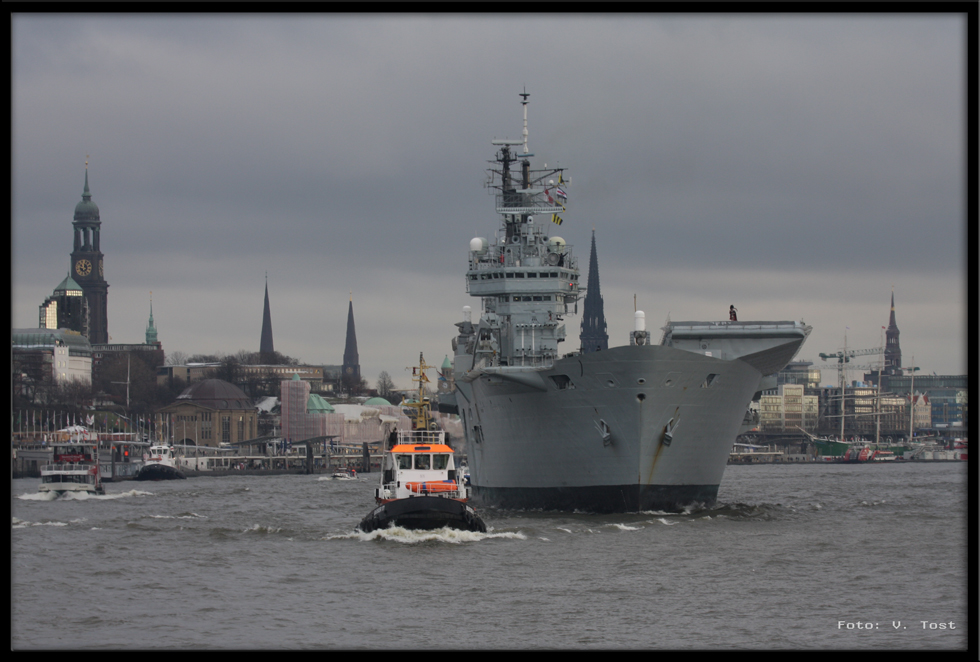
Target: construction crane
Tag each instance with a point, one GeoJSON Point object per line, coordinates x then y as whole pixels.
{"type": "Point", "coordinates": [844, 357]}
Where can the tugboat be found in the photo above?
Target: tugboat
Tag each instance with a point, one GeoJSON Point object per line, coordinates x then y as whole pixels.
{"type": "Point", "coordinates": [74, 468]}
{"type": "Point", "coordinates": [160, 465]}
{"type": "Point", "coordinates": [420, 488]}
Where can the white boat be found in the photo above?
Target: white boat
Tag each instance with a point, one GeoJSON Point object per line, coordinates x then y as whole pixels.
{"type": "Point", "coordinates": [349, 474]}
{"type": "Point", "coordinates": [160, 464]}
{"type": "Point", "coordinates": [420, 487]}
{"type": "Point", "coordinates": [74, 468]}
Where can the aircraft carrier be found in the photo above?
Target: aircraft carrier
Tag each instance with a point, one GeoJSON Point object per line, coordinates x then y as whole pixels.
{"type": "Point", "coordinates": [639, 427]}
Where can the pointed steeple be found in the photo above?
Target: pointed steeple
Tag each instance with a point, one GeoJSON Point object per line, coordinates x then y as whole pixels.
{"type": "Point", "coordinates": [351, 367]}
{"type": "Point", "coordinates": [593, 336]}
{"type": "Point", "coordinates": [151, 330]}
{"type": "Point", "coordinates": [893, 352]}
{"type": "Point", "coordinates": [266, 348]}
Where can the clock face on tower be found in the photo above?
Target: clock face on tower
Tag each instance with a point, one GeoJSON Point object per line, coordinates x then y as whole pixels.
{"type": "Point", "coordinates": [350, 371]}
{"type": "Point", "coordinates": [83, 267]}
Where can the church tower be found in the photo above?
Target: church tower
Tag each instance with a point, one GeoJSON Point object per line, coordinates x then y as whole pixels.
{"type": "Point", "coordinates": [893, 353]}
{"type": "Point", "coordinates": [151, 330]}
{"type": "Point", "coordinates": [351, 368]}
{"type": "Point", "coordinates": [593, 337]}
{"type": "Point", "coordinates": [86, 265]}
{"type": "Point", "coordinates": [266, 350]}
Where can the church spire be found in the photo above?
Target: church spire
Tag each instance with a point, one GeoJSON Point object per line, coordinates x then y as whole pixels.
{"type": "Point", "coordinates": [893, 352]}
{"type": "Point", "coordinates": [151, 330]}
{"type": "Point", "coordinates": [266, 349]}
{"type": "Point", "coordinates": [351, 367]}
{"type": "Point", "coordinates": [593, 336]}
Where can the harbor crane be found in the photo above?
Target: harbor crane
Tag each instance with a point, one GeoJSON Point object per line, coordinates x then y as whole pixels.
{"type": "Point", "coordinates": [844, 357]}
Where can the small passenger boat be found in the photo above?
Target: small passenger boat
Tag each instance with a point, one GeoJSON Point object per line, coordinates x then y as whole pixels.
{"type": "Point", "coordinates": [74, 468]}
{"type": "Point", "coordinates": [420, 488]}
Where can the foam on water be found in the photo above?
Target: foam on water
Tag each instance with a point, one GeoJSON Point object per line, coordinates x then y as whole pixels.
{"type": "Point", "coordinates": [445, 534]}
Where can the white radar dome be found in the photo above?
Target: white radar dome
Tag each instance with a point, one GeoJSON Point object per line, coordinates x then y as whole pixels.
{"type": "Point", "coordinates": [557, 241]}
{"type": "Point", "coordinates": [478, 245]}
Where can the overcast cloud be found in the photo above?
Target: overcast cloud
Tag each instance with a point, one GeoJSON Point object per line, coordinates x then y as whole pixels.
{"type": "Point", "coordinates": [798, 167]}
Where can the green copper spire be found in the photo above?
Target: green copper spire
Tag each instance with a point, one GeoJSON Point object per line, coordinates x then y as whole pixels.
{"type": "Point", "coordinates": [151, 330]}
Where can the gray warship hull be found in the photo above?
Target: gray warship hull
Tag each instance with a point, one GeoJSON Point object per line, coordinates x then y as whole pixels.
{"type": "Point", "coordinates": [632, 428]}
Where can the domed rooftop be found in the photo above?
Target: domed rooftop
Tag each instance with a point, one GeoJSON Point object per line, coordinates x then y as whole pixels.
{"type": "Point", "coordinates": [376, 402]}
{"type": "Point", "coordinates": [86, 210]}
{"type": "Point", "coordinates": [216, 394]}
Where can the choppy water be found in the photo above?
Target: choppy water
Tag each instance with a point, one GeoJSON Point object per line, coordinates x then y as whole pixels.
{"type": "Point", "coordinates": [789, 553]}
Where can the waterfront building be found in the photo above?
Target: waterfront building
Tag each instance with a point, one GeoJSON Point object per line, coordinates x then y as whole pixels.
{"type": "Point", "coordinates": [948, 395]}
{"type": "Point", "coordinates": [211, 412]}
{"type": "Point", "coordinates": [593, 336]}
{"type": "Point", "coordinates": [788, 409]}
{"type": "Point", "coordinates": [149, 352]}
{"type": "Point", "coordinates": [246, 375]}
{"type": "Point", "coordinates": [921, 411]}
{"type": "Point", "coordinates": [306, 415]}
{"type": "Point", "coordinates": [87, 264]}
{"type": "Point", "coordinates": [66, 308]}
{"type": "Point", "coordinates": [863, 406]}
{"type": "Point", "coordinates": [48, 356]}
{"type": "Point", "coordinates": [800, 372]}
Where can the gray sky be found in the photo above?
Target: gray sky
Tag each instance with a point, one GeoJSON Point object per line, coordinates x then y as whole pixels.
{"type": "Point", "coordinates": [796, 166]}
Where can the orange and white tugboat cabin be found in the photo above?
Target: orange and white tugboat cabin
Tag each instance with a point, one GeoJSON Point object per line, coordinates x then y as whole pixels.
{"type": "Point", "coordinates": [420, 487]}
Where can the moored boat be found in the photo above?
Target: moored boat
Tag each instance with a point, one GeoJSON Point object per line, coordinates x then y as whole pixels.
{"type": "Point", "coordinates": [420, 488]}
{"type": "Point", "coordinates": [160, 465]}
{"type": "Point", "coordinates": [74, 468]}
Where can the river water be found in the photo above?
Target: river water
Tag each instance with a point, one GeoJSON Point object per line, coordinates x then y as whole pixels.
{"type": "Point", "coordinates": [794, 556]}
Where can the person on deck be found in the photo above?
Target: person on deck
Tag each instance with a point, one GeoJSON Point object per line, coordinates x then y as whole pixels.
{"type": "Point", "coordinates": [731, 314]}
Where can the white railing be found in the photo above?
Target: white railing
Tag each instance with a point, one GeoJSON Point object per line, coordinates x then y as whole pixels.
{"type": "Point", "coordinates": [419, 437]}
{"type": "Point", "coordinates": [69, 468]}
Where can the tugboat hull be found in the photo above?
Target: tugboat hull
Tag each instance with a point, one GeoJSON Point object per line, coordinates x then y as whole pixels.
{"type": "Point", "coordinates": [159, 472]}
{"type": "Point", "coordinates": [423, 513]}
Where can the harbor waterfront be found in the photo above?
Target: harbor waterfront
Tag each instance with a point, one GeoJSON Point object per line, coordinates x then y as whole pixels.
{"type": "Point", "coordinates": [792, 556]}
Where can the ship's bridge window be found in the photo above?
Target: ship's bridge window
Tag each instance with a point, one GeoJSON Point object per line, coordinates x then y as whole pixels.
{"type": "Point", "coordinates": [440, 461]}
{"type": "Point", "coordinates": [422, 461]}
{"type": "Point", "coordinates": [520, 274]}
{"type": "Point", "coordinates": [525, 298]}
{"type": "Point", "coordinates": [404, 461]}
{"type": "Point", "coordinates": [532, 274]}
{"type": "Point", "coordinates": [554, 274]}
{"type": "Point", "coordinates": [509, 274]}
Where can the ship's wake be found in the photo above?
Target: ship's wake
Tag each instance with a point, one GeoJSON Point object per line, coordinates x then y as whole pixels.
{"type": "Point", "coordinates": [411, 537]}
